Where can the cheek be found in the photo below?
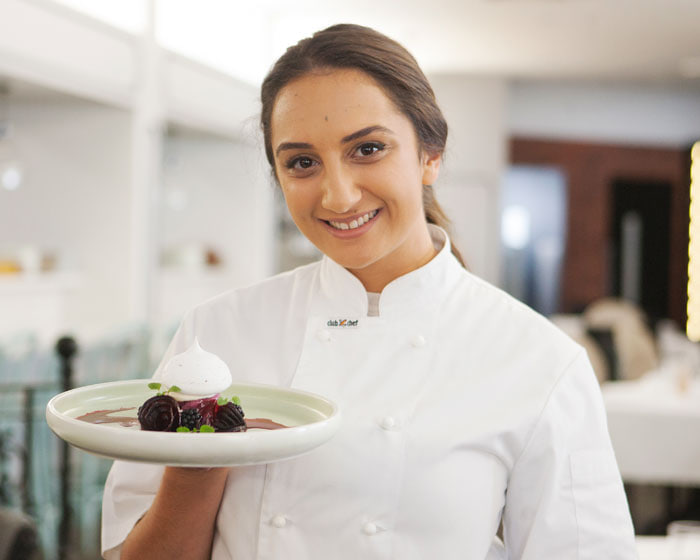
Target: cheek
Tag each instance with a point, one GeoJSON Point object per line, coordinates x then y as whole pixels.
{"type": "Point", "coordinates": [400, 188]}
{"type": "Point", "coordinates": [300, 201]}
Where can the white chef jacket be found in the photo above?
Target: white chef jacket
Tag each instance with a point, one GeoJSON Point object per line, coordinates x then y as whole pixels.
{"type": "Point", "coordinates": [461, 408]}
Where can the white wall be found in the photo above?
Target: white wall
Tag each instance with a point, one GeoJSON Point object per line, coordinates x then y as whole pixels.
{"type": "Point", "coordinates": [216, 196]}
{"type": "Point", "coordinates": [469, 185]}
{"type": "Point", "coordinates": [75, 201]}
{"type": "Point", "coordinates": [646, 114]}
{"type": "Point", "coordinates": [48, 44]}
{"type": "Point", "coordinates": [76, 204]}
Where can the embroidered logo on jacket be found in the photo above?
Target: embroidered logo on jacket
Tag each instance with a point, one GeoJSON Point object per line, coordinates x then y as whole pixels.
{"type": "Point", "coordinates": [344, 323]}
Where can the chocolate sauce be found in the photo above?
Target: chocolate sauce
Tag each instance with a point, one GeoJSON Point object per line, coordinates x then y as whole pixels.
{"type": "Point", "coordinates": [105, 417]}
{"type": "Point", "coordinates": [263, 424]}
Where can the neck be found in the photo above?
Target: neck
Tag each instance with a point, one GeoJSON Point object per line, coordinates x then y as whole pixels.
{"type": "Point", "coordinates": [376, 276]}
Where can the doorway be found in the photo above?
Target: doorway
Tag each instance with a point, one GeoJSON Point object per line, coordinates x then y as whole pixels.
{"type": "Point", "coordinates": [641, 244]}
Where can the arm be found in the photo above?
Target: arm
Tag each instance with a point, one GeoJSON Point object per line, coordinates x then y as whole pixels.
{"type": "Point", "coordinates": [565, 498]}
{"type": "Point", "coordinates": [181, 521]}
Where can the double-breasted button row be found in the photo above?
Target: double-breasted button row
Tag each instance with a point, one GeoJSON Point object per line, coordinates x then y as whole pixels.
{"type": "Point", "coordinates": [280, 522]}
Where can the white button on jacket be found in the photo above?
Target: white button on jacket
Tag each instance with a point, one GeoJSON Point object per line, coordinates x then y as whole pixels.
{"type": "Point", "coordinates": [500, 414]}
{"type": "Point", "coordinates": [279, 521]}
{"type": "Point", "coordinates": [388, 423]}
{"type": "Point", "coordinates": [418, 340]}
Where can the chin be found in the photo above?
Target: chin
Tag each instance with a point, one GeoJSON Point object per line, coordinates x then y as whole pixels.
{"type": "Point", "coordinates": [354, 262]}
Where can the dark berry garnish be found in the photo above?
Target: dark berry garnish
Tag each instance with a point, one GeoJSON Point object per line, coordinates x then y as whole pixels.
{"type": "Point", "coordinates": [206, 408]}
{"type": "Point", "coordinates": [191, 419]}
{"type": "Point", "coordinates": [159, 414]}
{"type": "Point", "coordinates": [229, 418]}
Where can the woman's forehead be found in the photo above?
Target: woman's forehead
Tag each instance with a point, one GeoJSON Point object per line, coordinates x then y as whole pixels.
{"type": "Point", "coordinates": [330, 100]}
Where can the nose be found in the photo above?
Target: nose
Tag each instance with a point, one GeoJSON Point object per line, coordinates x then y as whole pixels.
{"type": "Point", "coordinates": [340, 191]}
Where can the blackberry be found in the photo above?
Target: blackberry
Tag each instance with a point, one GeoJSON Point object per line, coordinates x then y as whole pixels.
{"type": "Point", "coordinates": [191, 418]}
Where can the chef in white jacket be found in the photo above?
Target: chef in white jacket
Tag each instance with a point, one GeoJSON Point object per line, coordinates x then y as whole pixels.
{"type": "Point", "coordinates": [463, 410]}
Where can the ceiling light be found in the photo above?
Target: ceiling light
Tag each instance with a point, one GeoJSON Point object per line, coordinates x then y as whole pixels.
{"type": "Point", "coordinates": [11, 176]}
{"type": "Point", "coordinates": [11, 171]}
{"type": "Point", "coordinates": [515, 227]}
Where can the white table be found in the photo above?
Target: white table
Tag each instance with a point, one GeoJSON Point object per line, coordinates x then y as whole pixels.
{"type": "Point", "coordinates": [662, 548]}
{"type": "Point", "coordinates": [655, 429]}
{"type": "Point", "coordinates": [653, 548]}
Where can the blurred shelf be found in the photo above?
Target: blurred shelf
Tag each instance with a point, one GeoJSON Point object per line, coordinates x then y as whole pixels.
{"type": "Point", "coordinates": [52, 47]}
{"type": "Point", "coordinates": [20, 283]}
{"type": "Point", "coordinates": [37, 303]}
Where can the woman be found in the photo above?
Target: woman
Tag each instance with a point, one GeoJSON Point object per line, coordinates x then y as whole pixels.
{"type": "Point", "coordinates": [462, 409]}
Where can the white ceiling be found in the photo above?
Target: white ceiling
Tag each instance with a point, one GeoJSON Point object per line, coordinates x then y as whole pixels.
{"type": "Point", "coordinates": [584, 39]}
{"type": "Point", "coordinates": [627, 39]}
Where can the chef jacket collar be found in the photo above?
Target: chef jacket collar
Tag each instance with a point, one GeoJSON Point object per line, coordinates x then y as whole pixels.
{"type": "Point", "coordinates": [345, 294]}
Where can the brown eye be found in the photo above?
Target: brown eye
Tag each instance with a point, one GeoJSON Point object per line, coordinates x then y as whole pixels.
{"type": "Point", "coordinates": [302, 162]}
{"type": "Point", "coordinates": [369, 149]}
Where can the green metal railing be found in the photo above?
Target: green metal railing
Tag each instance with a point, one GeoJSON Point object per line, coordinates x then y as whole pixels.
{"type": "Point", "coordinates": [40, 475]}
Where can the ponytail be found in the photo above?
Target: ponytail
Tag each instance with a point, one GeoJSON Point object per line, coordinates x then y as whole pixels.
{"type": "Point", "coordinates": [434, 214]}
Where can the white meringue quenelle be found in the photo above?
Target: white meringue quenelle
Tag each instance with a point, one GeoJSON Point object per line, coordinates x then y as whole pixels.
{"type": "Point", "coordinates": [197, 373]}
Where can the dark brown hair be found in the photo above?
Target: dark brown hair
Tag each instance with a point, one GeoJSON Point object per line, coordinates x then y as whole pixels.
{"type": "Point", "coordinates": [390, 65]}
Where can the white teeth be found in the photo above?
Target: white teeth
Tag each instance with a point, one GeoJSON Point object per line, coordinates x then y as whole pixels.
{"type": "Point", "coordinates": [355, 223]}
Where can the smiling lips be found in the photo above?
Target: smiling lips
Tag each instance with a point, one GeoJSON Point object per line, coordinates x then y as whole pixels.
{"type": "Point", "coordinates": [354, 223]}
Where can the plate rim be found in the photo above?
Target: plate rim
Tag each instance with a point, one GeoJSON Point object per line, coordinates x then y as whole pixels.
{"type": "Point", "coordinates": [51, 405]}
{"type": "Point", "coordinates": [61, 423]}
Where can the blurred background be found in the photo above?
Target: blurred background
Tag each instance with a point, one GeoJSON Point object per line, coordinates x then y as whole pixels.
{"type": "Point", "coordinates": [133, 185]}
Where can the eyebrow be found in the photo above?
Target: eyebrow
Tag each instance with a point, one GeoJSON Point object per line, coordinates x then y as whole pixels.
{"type": "Point", "coordinates": [349, 138]}
{"type": "Point", "coordinates": [293, 146]}
{"type": "Point", "coordinates": [364, 132]}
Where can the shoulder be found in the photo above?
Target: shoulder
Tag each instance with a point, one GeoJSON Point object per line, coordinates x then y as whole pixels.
{"type": "Point", "coordinates": [510, 317]}
{"type": "Point", "coordinates": [509, 335]}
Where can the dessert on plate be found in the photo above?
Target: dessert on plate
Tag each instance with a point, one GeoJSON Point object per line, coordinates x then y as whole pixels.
{"type": "Point", "coordinates": [189, 396]}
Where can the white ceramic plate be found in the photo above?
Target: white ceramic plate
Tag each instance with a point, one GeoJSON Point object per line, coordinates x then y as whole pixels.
{"type": "Point", "coordinates": [312, 420]}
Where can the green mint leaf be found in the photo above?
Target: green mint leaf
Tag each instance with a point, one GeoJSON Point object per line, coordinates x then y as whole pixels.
{"type": "Point", "coordinates": [154, 385]}
{"type": "Point", "coordinates": [183, 429]}
{"type": "Point", "coordinates": [174, 389]}
{"type": "Point", "coordinates": [221, 401]}
{"type": "Point", "coordinates": [206, 428]}
{"type": "Point", "coordinates": [236, 400]}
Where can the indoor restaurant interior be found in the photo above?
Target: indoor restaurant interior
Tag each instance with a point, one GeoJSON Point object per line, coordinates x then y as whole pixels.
{"type": "Point", "coordinates": [134, 185]}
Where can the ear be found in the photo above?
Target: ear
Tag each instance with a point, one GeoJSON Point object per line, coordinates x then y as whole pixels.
{"type": "Point", "coordinates": [431, 167]}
